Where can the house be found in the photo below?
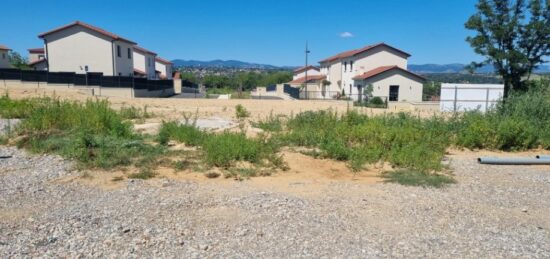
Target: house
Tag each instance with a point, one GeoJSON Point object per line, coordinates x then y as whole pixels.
{"type": "Point", "coordinates": [163, 68]}
{"type": "Point", "coordinates": [4, 60]}
{"type": "Point", "coordinates": [36, 54]}
{"type": "Point", "coordinates": [144, 63]}
{"type": "Point", "coordinates": [380, 65]}
{"type": "Point", "coordinates": [37, 59]}
{"type": "Point", "coordinates": [79, 47]}
{"type": "Point", "coordinates": [301, 72]}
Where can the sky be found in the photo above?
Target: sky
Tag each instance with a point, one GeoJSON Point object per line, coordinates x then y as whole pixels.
{"type": "Point", "coordinates": [260, 31]}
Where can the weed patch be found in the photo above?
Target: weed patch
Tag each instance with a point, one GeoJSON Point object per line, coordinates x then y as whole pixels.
{"type": "Point", "coordinates": [418, 178]}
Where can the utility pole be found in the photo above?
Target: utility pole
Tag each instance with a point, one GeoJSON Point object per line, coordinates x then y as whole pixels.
{"type": "Point", "coordinates": [307, 53]}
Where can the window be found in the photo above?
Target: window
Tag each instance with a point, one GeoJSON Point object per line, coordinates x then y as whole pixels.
{"type": "Point", "coordinates": [3, 55]}
{"type": "Point", "coordinates": [118, 51]}
{"type": "Point", "coordinates": [351, 66]}
{"type": "Point", "coordinates": [129, 53]}
{"type": "Point", "coordinates": [345, 66]}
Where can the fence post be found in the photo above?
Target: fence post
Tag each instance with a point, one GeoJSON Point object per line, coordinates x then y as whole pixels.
{"type": "Point", "coordinates": [487, 100]}
{"type": "Point", "coordinates": [454, 103]}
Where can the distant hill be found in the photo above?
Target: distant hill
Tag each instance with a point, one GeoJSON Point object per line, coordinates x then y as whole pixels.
{"type": "Point", "coordinates": [421, 69]}
{"type": "Point", "coordinates": [459, 68]}
{"type": "Point", "coordinates": [223, 64]}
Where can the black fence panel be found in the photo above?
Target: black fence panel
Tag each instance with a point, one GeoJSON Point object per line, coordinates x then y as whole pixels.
{"type": "Point", "coordinates": [61, 77]}
{"type": "Point", "coordinates": [140, 83]}
{"type": "Point", "coordinates": [292, 91]}
{"type": "Point", "coordinates": [10, 74]}
{"type": "Point", "coordinates": [187, 83]}
{"type": "Point", "coordinates": [94, 78]}
{"type": "Point", "coordinates": [34, 76]}
{"type": "Point", "coordinates": [117, 81]}
{"type": "Point", "coordinates": [271, 88]}
{"type": "Point", "coordinates": [80, 79]}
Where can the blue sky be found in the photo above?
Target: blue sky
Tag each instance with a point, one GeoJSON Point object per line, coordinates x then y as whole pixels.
{"type": "Point", "coordinates": [268, 31]}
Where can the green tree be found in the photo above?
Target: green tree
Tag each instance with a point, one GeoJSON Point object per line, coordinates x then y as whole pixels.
{"type": "Point", "coordinates": [513, 36]}
{"type": "Point", "coordinates": [190, 77]}
{"type": "Point", "coordinates": [17, 61]}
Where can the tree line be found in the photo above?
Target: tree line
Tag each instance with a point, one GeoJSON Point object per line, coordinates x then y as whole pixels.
{"type": "Point", "coordinates": [241, 80]}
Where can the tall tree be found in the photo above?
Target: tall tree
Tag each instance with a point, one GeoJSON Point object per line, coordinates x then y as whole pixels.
{"type": "Point", "coordinates": [17, 61]}
{"type": "Point", "coordinates": [513, 36]}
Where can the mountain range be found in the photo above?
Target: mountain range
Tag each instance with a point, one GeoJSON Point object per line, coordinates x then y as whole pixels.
{"type": "Point", "coordinates": [417, 68]}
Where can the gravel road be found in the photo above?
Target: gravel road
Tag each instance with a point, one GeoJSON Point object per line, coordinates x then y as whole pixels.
{"type": "Point", "coordinates": [494, 211]}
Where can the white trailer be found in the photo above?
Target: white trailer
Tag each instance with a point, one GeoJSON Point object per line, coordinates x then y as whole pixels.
{"type": "Point", "coordinates": [466, 97]}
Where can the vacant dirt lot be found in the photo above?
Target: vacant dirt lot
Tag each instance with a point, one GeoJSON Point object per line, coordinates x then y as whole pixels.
{"type": "Point", "coordinates": [47, 209]}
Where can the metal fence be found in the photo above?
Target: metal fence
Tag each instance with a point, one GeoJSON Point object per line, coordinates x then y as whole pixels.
{"type": "Point", "coordinates": [89, 79]}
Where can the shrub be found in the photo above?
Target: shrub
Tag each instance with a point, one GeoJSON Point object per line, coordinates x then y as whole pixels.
{"type": "Point", "coordinates": [271, 124]}
{"type": "Point", "coordinates": [131, 113]}
{"type": "Point", "coordinates": [224, 149]}
{"type": "Point", "coordinates": [241, 112]}
{"type": "Point", "coordinates": [188, 134]}
{"type": "Point", "coordinates": [376, 101]}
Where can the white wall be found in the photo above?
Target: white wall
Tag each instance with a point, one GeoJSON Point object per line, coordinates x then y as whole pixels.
{"type": "Point", "coordinates": [4, 61]}
{"type": "Point", "coordinates": [72, 49]}
{"type": "Point", "coordinates": [410, 87]}
{"type": "Point", "coordinates": [310, 72]}
{"type": "Point", "coordinates": [464, 97]}
{"type": "Point", "coordinates": [36, 56]}
{"type": "Point", "coordinates": [146, 63]}
{"type": "Point", "coordinates": [165, 70]}
{"type": "Point", "coordinates": [124, 65]}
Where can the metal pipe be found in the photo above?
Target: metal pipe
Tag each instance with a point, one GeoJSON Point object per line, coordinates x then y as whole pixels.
{"type": "Point", "coordinates": [512, 161]}
{"type": "Point", "coordinates": [543, 157]}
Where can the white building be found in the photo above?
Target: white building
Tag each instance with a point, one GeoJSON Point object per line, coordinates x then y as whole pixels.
{"type": "Point", "coordinates": [380, 65]}
{"type": "Point", "coordinates": [301, 72]}
{"type": "Point", "coordinates": [163, 68]}
{"type": "Point", "coordinates": [467, 97]}
{"type": "Point", "coordinates": [79, 47]}
{"type": "Point", "coordinates": [144, 63]}
{"type": "Point", "coordinates": [37, 59]}
{"type": "Point", "coordinates": [4, 60]}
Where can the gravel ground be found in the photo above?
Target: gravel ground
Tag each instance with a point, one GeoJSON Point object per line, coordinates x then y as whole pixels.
{"type": "Point", "coordinates": [494, 211]}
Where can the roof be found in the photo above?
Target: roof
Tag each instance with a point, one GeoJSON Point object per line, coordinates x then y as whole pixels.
{"type": "Point", "coordinates": [302, 69]}
{"type": "Point", "coordinates": [2, 47]}
{"type": "Point", "coordinates": [381, 70]}
{"type": "Point", "coordinates": [142, 50]}
{"type": "Point", "coordinates": [351, 53]}
{"type": "Point", "coordinates": [140, 72]}
{"type": "Point", "coordinates": [37, 62]}
{"type": "Point", "coordinates": [161, 60]}
{"type": "Point", "coordinates": [36, 50]}
{"type": "Point", "coordinates": [88, 26]}
{"type": "Point", "coordinates": [302, 80]}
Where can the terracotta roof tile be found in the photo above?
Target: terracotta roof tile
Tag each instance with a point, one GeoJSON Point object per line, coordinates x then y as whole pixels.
{"type": "Point", "coordinates": [37, 62]}
{"type": "Point", "coordinates": [381, 70]}
{"type": "Point", "coordinates": [142, 50]}
{"type": "Point", "coordinates": [140, 72]}
{"type": "Point", "coordinates": [302, 80]}
{"type": "Point", "coordinates": [164, 61]}
{"type": "Point", "coordinates": [302, 69]}
{"type": "Point", "coordinates": [88, 26]}
{"type": "Point", "coordinates": [354, 52]}
{"type": "Point", "coordinates": [36, 50]}
{"type": "Point", "coordinates": [2, 47]}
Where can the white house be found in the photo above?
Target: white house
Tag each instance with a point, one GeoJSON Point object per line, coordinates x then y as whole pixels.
{"type": "Point", "coordinates": [163, 68]}
{"type": "Point", "coordinates": [144, 63]}
{"type": "Point", "coordinates": [380, 65]}
{"type": "Point", "coordinates": [4, 61]}
{"type": "Point", "coordinates": [301, 72]}
{"type": "Point", "coordinates": [79, 47]}
{"type": "Point", "coordinates": [37, 59]}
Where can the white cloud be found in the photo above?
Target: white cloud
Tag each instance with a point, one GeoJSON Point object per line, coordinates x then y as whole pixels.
{"type": "Point", "coordinates": [346, 34]}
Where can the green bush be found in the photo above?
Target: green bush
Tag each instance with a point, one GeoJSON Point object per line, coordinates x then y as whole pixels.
{"type": "Point", "coordinates": [188, 134]}
{"type": "Point", "coordinates": [241, 112]}
{"type": "Point", "coordinates": [376, 101]}
{"type": "Point", "coordinates": [224, 149]}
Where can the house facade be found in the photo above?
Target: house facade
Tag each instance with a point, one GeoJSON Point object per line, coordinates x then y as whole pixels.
{"type": "Point", "coordinates": [301, 72]}
{"type": "Point", "coordinates": [79, 47]}
{"type": "Point", "coordinates": [4, 60]}
{"type": "Point", "coordinates": [381, 66]}
{"type": "Point", "coordinates": [144, 63]}
{"type": "Point", "coordinates": [163, 68]}
{"type": "Point", "coordinates": [37, 59]}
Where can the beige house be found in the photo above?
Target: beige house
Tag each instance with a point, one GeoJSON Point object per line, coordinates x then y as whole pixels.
{"type": "Point", "coordinates": [163, 68]}
{"type": "Point", "coordinates": [380, 65]}
{"type": "Point", "coordinates": [37, 59]}
{"type": "Point", "coordinates": [4, 61]}
{"type": "Point", "coordinates": [144, 63]}
{"type": "Point", "coordinates": [301, 72]}
{"type": "Point", "coordinates": [79, 47]}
